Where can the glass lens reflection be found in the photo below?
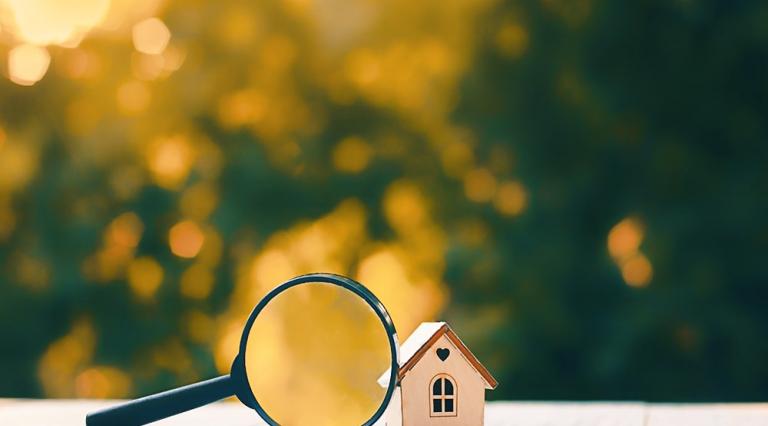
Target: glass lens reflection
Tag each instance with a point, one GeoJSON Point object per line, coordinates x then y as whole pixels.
{"type": "Point", "coordinates": [314, 355]}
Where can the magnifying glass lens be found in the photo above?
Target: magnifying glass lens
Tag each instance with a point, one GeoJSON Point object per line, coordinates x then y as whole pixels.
{"type": "Point", "coordinates": [314, 356]}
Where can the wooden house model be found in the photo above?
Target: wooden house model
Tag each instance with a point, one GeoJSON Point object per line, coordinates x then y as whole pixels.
{"type": "Point", "coordinates": [440, 382]}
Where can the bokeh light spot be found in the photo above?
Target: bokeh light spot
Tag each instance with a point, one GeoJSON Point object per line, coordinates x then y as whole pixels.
{"type": "Point", "coordinates": [457, 158]}
{"type": "Point", "coordinates": [479, 185]}
{"type": "Point", "coordinates": [511, 198]}
{"type": "Point", "coordinates": [170, 160]}
{"type": "Point", "coordinates": [637, 271]}
{"type": "Point", "coordinates": [151, 36]}
{"type": "Point", "coordinates": [241, 107]}
{"type": "Point", "coordinates": [197, 282]}
{"type": "Point", "coordinates": [271, 267]}
{"type": "Point", "coordinates": [124, 231]}
{"type": "Point", "coordinates": [64, 357]}
{"type": "Point", "coordinates": [186, 239]}
{"type": "Point", "coordinates": [44, 22]}
{"type": "Point", "coordinates": [625, 238]}
{"type": "Point", "coordinates": [404, 206]}
{"type": "Point", "coordinates": [352, 155]}
{"type": "Point", "coordinates": [199, 201]}
{"type": "Point", "coordinates": [145, 275]}
{"type": "Point", "coordinates": [102, 382]}
{"type": "Point", "coordinates": [18, 165]}
{"type": "Point", "coordinates": [27, 64]}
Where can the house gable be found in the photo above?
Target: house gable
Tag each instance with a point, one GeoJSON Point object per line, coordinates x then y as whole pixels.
{"type": "Point", "coordinates": [424, 339]}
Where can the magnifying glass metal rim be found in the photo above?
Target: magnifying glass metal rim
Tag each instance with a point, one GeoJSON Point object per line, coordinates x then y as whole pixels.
{"type": "Point", "coordinates": [239, 372]}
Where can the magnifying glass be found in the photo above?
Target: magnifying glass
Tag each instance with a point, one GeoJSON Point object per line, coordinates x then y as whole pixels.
{"type": "Point", "coordinates": [312, 352]}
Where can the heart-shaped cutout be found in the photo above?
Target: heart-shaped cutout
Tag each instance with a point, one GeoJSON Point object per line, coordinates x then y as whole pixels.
{"type": "Point", "coordinates": [443, 353]}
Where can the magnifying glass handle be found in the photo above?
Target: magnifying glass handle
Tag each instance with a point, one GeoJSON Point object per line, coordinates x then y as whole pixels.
{"type": "Point", "coordinates": [164, 404]}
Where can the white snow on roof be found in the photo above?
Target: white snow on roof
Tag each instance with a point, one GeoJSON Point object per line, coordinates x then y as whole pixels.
{"type": "Point", "coordinates": [415, 341]}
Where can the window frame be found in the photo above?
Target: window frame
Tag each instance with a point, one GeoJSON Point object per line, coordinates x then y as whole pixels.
{"type": "Point", "coordinates": [443, 397]}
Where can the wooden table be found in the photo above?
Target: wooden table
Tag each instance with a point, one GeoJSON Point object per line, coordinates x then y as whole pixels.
{"type": "Point", "coordinates": [72, 412]}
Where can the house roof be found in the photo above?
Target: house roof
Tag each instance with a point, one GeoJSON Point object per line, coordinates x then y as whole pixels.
{"type": "Point", "coordinates": [424, 337]}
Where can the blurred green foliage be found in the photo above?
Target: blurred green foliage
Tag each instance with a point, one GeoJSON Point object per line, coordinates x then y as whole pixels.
{"type": "Point", "coordinates": [532, 128]}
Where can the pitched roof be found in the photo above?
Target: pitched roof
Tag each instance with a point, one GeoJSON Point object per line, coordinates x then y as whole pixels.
{"type": "Point", "coordinates": [423, 338]}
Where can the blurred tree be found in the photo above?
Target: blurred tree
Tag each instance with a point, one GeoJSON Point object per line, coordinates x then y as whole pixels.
{"type": "Point", "coordinates": [577, 186]}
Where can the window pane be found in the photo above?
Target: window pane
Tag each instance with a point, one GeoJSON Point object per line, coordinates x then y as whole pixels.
{"type": "Point", "coordinates": [437, 406]}
{"type": "Point", "coordinates": [448, 387]}
{"type": "Point", "coordinates": [449, 406]}
{"type": "Point", "coordinates": [437, 387]}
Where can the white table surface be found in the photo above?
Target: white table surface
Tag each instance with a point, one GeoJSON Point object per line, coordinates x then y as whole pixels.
{"type": "Point", "coordinates": [72, 412]}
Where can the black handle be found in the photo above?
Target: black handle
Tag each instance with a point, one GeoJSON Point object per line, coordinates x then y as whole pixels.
{"type": "Point", "coordinates": [164, 404]}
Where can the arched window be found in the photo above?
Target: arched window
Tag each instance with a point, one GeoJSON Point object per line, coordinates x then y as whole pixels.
{"type": "Point", "coordinates": [442, 392]}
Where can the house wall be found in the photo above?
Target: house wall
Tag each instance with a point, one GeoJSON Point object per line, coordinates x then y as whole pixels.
{"type": "Point", "coordinates": [470, 395]}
